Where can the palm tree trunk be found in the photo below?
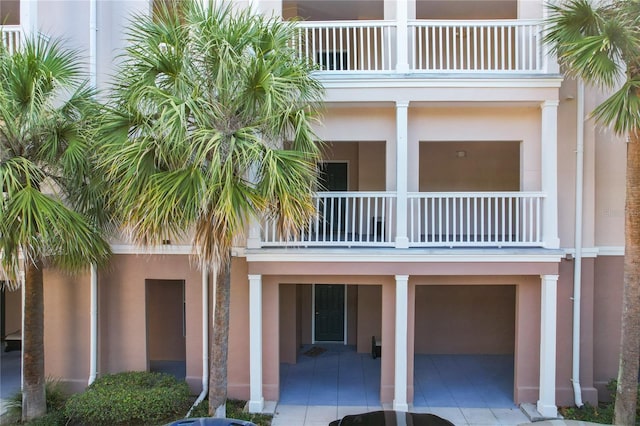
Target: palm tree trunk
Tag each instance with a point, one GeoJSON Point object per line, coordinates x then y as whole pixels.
{"type": "Point", "coordinates": [219, 345]}
{"type": "Point", "coordinates": [626, 392]}
{"type": "Point", "coordinates": [33, 396]}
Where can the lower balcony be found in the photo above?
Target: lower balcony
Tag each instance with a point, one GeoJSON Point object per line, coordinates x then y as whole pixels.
{"type": "Point", "coordinates": [432, 219]}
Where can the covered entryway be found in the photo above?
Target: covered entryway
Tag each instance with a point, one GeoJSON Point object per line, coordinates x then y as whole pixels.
{"type": "Point", "coordinates": [165, 315]}
{"type": "Point", "coordinates": [464, 346]}
{"type": "Point", "coordinates": [325, 352]}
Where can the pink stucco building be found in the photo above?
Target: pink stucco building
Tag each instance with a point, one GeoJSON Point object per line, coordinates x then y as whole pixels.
{"type": "Point", "coordinates": [458, 162]}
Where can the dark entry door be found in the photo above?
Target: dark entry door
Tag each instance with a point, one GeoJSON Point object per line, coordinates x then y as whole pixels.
{"type": "Point", "coordinates": [333, 177]}
{"type": "Point", "coordinates": [329, 313]}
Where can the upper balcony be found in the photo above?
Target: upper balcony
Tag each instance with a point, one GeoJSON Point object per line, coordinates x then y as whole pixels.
{"type": "Point", "coordinates": [503, 47]}
{"type": "Point", "coordinates": [10, 36]}
{"type": "Point", "coordinates": [422, 38]}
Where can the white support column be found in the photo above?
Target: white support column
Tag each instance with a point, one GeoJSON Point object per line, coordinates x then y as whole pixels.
{"type": "Point", "coordinates": [400, 381]}
{"type": "Point", "coordinates": [547, 402]}
{"type": "Point", "coordinates": [402, 159]}
{"type": "Point", "coordinates": [253, 240]}
{"type": "Point", "coordinates": [29, 16]}
{"type": "Point", "coordinates": [93, 333]}
{"type": "Point", "coordinates": [549, 173]}
{"type": "Point", "coordinates": [402, 37]}
{"type": "Point", "coordinates": [256, 401]}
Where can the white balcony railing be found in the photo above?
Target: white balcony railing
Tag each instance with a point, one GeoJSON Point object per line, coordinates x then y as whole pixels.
{"type": "Point", "coordinates": [458, 219]}
{"type": "Point", "coordinates": [484, 46]}
{"type": "Point", "coordinates": [344, 219]}
{"type": "Point", "coordinates": [434, 46]}
{"type": "Point", "coordinates": [10, 36]}
{"type": "Point", "coordinates": [347, 45]}
{"type": "Point", "coordinates": [434, 219]}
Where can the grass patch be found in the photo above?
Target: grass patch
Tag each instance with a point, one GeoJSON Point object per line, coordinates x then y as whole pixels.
{"type": "Point", "coordinates": [601, 413]}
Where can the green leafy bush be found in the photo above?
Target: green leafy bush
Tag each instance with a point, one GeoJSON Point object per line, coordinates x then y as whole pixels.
{"type": "Point", "coordinates": [130, 398]}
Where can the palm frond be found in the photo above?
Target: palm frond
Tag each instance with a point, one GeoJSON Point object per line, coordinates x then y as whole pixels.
{"type": "Point", "coordinates": [621, 111]}
{"type": "Point", "coordinates": [47, 161]}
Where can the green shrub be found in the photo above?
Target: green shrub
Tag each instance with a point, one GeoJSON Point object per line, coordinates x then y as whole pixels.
{"type": "Point", "coordinates": [131, 398]}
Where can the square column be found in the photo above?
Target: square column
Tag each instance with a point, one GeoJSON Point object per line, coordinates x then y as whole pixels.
{"type": "Point", "coordinates": [402, 159]}
{"type": "Point", "coordinates": [402, 37]}
{"type": "Point", "coordinates": [547, 401]}
{"type": "Point", "coordinates": [400, 378]}
{"type": "Point", "coordinates": [256, 400]}
{"type": "Point", "coordinates": [549, 173]}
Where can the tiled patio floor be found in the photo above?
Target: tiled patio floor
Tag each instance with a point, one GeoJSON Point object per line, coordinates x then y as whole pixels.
{"type": "Point", "coordinates": [465, 389]}
{"type": "Point", "coordinates": [318, 415]}
{"type": "Point", "coordinates": [340, 376]}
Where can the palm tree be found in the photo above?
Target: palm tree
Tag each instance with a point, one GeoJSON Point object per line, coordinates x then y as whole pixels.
{"type": "Point", "coordinates": [49, 200]}
{"type": "Point", "coordinates": [209, 128]}
{"type": "Point", "coordinates": [600, 43]}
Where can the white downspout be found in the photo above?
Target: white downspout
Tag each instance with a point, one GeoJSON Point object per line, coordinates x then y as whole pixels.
{"type": "Point", "coordinates": [577, 265]}
{"type": "Point", "coordinates": [93, 357]}
{"type": "Point", "coordinates": [205, 339]}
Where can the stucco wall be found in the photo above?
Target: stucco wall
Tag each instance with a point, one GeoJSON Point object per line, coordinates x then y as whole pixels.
{"type": "Point", "coordinates": [66, 327]}
{"type": "Point", "coordinates": [123, 344]}
{"type": "Point", "coordinates": [12, 315]}
{"type": "Point", "coordinates": [607, 320]}
{"type": "Point", "coordinates": [485, 166]}
{"type": "Point", "coordinates": [465, 319]}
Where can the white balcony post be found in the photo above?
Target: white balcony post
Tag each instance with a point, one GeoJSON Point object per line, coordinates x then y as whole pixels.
{"type": "Point", "coordinates": [256, 401]}
{"type": "Point", "coordinates": [402, 36]}
{"type": "Point", "coordinates": [549, 61]}
{"type": "Point", "coordinates": [547, 402]}
{"type": "Point", "coordinates": [253, 240]}
{"type": "Point", "coordinates": [29, 17]}
{"type": "Point", "coordinates": [549, 173]}
{"type": "Point", "coordinates": [402, 158]}
{"type": "Point", "coordinates": [400, 381]}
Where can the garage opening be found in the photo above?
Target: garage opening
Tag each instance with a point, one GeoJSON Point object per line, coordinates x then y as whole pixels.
{"type": "Point", "coordinates": [464, 346]}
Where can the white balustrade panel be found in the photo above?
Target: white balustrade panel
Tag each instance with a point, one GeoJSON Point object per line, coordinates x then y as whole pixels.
{"type": "Point", "coordinates": [11, 36]}
{"type": "Point", "coordinates": [343, 219]}
{"type": "Point", "coordinates": [480, 219]}
{"type": "Point", "coordinates": [347, 45]}
{"type": "Point", "coordinates": [476, 46]}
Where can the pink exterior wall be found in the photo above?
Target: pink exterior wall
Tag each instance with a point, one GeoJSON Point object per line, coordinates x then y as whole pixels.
{"type": "Point", "coordinates": [122, 325]}
{"type": "Point", "coordinates": [607, 320]}
{"type": "Point", "coordinates": [12, 311]}
{"type": "Point", "coordinates": [465, 319]}
{"type": "Point", "coordinates": [369, 316]}
{"type": "Point", "coordinates": [486, 166]}
{"type": "Point", "coordinates": [482, 124]}
{"type": "Point", "coordinates": [238, 363]}
{"type": "Point", "coordinates": [288, 323]}
{"type": "Point", "coordinates": [564, 334]}
{"type": "Point", "coordinates": [66, 331]}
